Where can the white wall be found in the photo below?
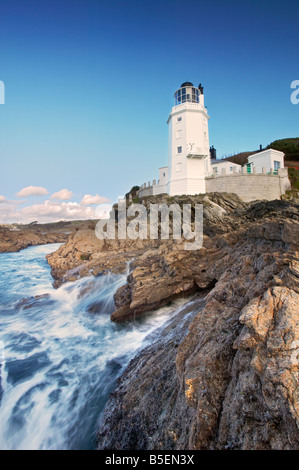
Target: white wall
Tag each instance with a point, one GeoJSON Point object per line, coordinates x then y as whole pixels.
{"type": "Point", "coordinates": [251, 187]}
{"type": "Point", "coordinates": [163, 175]}
{"type": "Point", "coordinates": [160, 187]}
{"type": "Point", "coordinates": [229, 167]}
{"type": "Point", "coordinates": [188, 129]}
{"type": "Point", "coordinates": [266, 159]}
{"type": "Point", "coordinates": [188, 186]}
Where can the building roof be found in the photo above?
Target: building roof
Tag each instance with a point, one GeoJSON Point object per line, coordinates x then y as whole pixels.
{"type": "Point", "coordinates": [240, 158]}
{"type": "Point", "coordinates": [186, 84]}
{"type": "Point", "coordinates": [221, 162]}
{"type": "Point", "coordinates": [265, 152]}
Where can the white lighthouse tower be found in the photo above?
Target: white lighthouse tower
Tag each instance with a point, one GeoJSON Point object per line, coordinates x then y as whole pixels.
{"type": "Point", "coordinates": [189, 155]}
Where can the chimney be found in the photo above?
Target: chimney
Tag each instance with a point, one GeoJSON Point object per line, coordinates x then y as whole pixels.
{"type": "Point", "coordinates": [213, 153]}
{"type": "Point", "coordinates": [200, 87]}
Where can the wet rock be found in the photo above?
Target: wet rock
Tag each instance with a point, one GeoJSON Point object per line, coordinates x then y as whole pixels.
{"type": "Point", "coordinates": [228, 377]}
{"type": "Point", "coordinates": [29, 302]}
{"type": "Point", "coordinates": [154, 408]}
{"type": "Point", "coordinates": [235, 380]}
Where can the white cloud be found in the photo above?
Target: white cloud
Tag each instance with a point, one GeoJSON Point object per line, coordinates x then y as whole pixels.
{"type": "Point", "coordinates": [50, 211]}
{"type": "Point", "coordinates": [63, 195]}
{"type": "Point", "coordinates": [89, 199]}
{"type": "Point", "coordinates": [32, 191]}
{"type": "Point", "coordinates": [103, 211]}
{"type": "Point", "coordinates": [8, 212]}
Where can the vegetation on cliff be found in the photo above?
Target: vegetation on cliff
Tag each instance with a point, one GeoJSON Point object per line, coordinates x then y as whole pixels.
{"type": "Point", "coordinates": [290, 147]}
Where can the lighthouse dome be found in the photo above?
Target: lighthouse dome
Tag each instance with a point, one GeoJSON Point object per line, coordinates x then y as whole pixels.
{"type": "Point", "coordinates": [186, 84]}
{"type": "Point", "coordinates": [187, 93]}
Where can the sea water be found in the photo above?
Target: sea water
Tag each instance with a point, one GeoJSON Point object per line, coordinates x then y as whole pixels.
{"type": "Point", "coordinates": [60, 354]}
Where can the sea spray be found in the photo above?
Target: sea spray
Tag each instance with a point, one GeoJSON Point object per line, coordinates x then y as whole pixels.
{"type": "Point", "coordinates": [63, 354]}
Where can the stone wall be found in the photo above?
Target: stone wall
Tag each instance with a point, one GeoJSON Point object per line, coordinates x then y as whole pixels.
{"type": "Point", "coordinates": [248, 186]}
{"type": "Point", "coordinates": [251, 187]}
{"type": "Point", "coordinates": [152, 189]}
{"type": "Point", "coordinates": [147, 191]}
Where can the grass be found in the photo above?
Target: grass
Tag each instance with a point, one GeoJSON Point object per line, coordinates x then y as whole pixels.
{"type": "Point", "coordinates": [294, 178]}
{"type": "Point", "coordinates": [290, 147]}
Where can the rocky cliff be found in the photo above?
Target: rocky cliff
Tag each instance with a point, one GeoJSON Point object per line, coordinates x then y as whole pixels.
{"type": "Point", "coordinates": [16, 237]}
{"type": "Point", "coordinates": [224, 373]}
{"type": "Point", "coordinates": [16, 240]}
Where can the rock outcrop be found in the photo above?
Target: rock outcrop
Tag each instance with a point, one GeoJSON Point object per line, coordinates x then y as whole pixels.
{"type": "Point", "coordinates": [224, 373]}
{"type": "Point", "coordinates": [162, 269]}
{"type": "Point", "coordinates": [16, 240]}
{"type": "Point", "coordinates": [232, 381]}
{"type": "Point", "coordinates": [16, 237]}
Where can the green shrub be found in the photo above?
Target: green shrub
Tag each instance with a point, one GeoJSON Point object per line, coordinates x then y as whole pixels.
{"type": "Point", "coordinates": [294, 178]}
{"type": "Point", "coordinates": [290, 147]}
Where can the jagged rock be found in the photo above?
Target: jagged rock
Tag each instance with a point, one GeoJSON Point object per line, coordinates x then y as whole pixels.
{"type": "Point", "coordinates": [163, 269]}
{"type": "Point", "coordinates": [12, 241]}
{"type": "Point", "coordinates": [224, 372]}
{"type": "Point", "coordinates": [232, 381]}
{"type": "Point", "coordinates": [229, 380]}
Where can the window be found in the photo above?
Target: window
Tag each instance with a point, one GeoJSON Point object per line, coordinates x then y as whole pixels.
{"type": "Point", "coordinates": [216, 170]}
{"type": "Point", "coordinates": [163, 175]}
{"type": "Point", "coordinates": [179, 149]}
{"type": "Point", "coordinates": [276, 165]}
{"type": "Point", "coordinates": [179, 133]}
{"type": "Point", "coordinates": [178, 97]}
{"type": "Point", "coordinates": [195, 98]}
{"type": "Point", "coordinates": [190, 94]}
{"type": "Point", "coordinates": [179, 119]}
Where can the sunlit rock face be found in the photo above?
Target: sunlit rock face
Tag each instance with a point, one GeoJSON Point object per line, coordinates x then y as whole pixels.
{"type": "Point", "coordinates": [228, 380]}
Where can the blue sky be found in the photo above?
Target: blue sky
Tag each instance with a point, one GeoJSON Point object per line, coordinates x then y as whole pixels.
{"type": "Point", "coordinates": [89, 85]}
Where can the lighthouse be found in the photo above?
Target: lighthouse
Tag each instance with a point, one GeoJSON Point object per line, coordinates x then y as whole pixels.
{"type": "Point", "coordinates": [189, 155]}
{"type": "Point", "coordinates": [190, 170]}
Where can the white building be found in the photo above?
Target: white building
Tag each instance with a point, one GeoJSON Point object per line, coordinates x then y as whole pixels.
{"type": "Point", "coordinates": [190, 170]}
{"type": "Point", "coordinates": [265, 161]}
{"type": "Point", "coordinates": [220, 167]}
{"type": "Point", "coordinates": [189, 155]}
{"type": "Point", "coordinates": [161, 186]}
